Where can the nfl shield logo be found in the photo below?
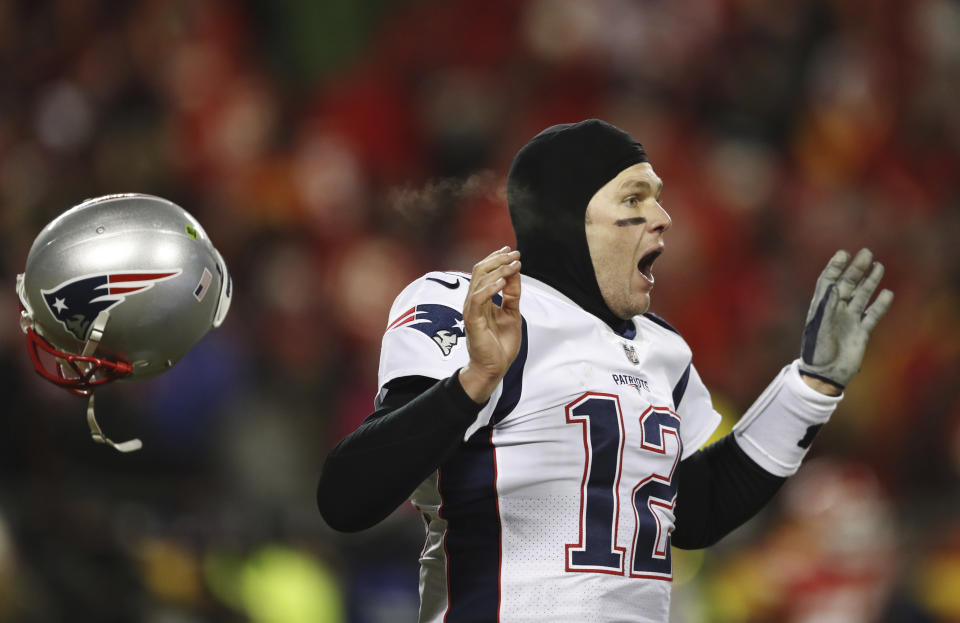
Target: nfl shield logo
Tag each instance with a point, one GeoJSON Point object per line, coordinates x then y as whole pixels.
{"type": "Point", "coordinates": [631, 353]}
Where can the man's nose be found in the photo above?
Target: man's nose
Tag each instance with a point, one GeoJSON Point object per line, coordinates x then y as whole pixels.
{"type": "Point", "coordinates": [659, 221]}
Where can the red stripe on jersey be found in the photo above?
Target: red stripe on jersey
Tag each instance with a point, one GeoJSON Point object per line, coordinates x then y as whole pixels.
{"type": "Point", "coordinates": [404, 318]}
{"type": "Point", "coordinates": [496, 499]}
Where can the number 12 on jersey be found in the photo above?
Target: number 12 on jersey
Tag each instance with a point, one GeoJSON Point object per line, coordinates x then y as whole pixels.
{"type": "Point", "coordinates": [652, 498]}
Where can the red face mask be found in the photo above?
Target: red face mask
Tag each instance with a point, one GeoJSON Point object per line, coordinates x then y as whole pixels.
{"type": "Point", "coordinates": [77, 373]}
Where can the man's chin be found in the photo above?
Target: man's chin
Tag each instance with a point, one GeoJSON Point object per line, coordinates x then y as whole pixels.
{"type": "Point", "coordinates": [642, 309]}
{"type": "Point", "coordinates": [639, 304]}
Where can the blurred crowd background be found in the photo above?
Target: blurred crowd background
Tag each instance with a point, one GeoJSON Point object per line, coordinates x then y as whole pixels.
{"type": "Point", "coordinates": [336, 150]}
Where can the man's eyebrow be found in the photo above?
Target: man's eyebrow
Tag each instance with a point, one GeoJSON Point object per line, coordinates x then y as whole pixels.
{"type": "Point", "coordinates": [634, 220]}
{"type": "Point", "coordinates": [632, 184]}
{"type": "Point", "coordinates": [640, 185]}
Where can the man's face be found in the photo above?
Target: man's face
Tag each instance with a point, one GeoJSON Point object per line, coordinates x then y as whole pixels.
{"type": "Point", "coordinates": [624, 226]}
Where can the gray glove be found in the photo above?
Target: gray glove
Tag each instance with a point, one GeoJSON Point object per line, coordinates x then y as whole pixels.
{"type": "Point", "coordinates": [839, 321]}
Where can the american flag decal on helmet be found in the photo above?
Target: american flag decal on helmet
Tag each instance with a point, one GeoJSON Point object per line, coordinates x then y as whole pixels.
{"type": "Point", "coordinates": [76, 302]}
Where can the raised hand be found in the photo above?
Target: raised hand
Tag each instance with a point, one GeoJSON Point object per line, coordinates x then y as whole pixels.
{"type": "Point", "coordinates": [839, 321]}
{"type": "Point", "coordinates": [493, 332]}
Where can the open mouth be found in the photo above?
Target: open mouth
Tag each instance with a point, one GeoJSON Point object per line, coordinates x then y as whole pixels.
{"type": "Point", "coordinates": [645, 265]}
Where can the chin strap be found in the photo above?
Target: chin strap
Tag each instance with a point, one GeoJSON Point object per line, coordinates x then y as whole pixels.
{"type": "Point", "coordinates": [90, 347]}
{"type": "Point", "coordinates": [96, 334]}
{"type": "Point", "coordinates": [98, 436]}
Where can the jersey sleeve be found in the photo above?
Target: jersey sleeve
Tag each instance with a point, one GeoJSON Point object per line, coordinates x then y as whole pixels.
{"type": "Point", "coordinates": [425, 334]}
{"type": "Point", "coordinates": [699, 418]}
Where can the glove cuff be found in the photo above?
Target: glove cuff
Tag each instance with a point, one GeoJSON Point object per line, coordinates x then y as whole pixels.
{"type": "Point", "coordinates": [805, 371]}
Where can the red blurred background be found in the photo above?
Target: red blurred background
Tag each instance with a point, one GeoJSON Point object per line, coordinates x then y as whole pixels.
{"type": "Point", "coordinates": [335, 151]}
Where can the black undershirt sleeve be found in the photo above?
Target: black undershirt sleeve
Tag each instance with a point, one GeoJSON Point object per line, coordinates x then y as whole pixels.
{"type": "Point", "coordinates": [416, 426]}
{"type": "Point", "coordinates": [718, 489]}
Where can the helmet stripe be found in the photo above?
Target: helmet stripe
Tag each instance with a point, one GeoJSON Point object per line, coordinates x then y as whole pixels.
{"type": "Point", "coordinates": [121, 278]}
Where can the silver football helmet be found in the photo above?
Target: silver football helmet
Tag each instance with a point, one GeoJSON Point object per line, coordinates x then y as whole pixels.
{"type": "Point", "coordinates": [119, 287]}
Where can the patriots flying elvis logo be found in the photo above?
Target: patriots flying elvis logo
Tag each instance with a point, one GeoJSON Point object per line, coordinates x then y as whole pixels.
{"type": "Point", "coordinates": [76, 302]}
{"type": "Point", "coordinates": [442, 324]}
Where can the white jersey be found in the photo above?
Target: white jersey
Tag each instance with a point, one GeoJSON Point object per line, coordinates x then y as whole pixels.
{"type": "Point", "coordinates": [559, 504]}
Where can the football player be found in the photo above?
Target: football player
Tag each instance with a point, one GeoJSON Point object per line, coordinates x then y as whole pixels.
{"type": "Point", "coordinates": [119, 287]}
{"type": "Point", "coordinates": [554, 452]}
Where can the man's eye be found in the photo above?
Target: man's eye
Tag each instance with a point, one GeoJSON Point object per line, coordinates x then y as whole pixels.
{"type": "Point", "coordinates": [632, 201]}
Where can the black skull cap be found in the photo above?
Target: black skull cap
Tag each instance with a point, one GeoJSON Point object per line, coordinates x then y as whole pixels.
{"type": "Point", "coordinates": [551, 181]}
